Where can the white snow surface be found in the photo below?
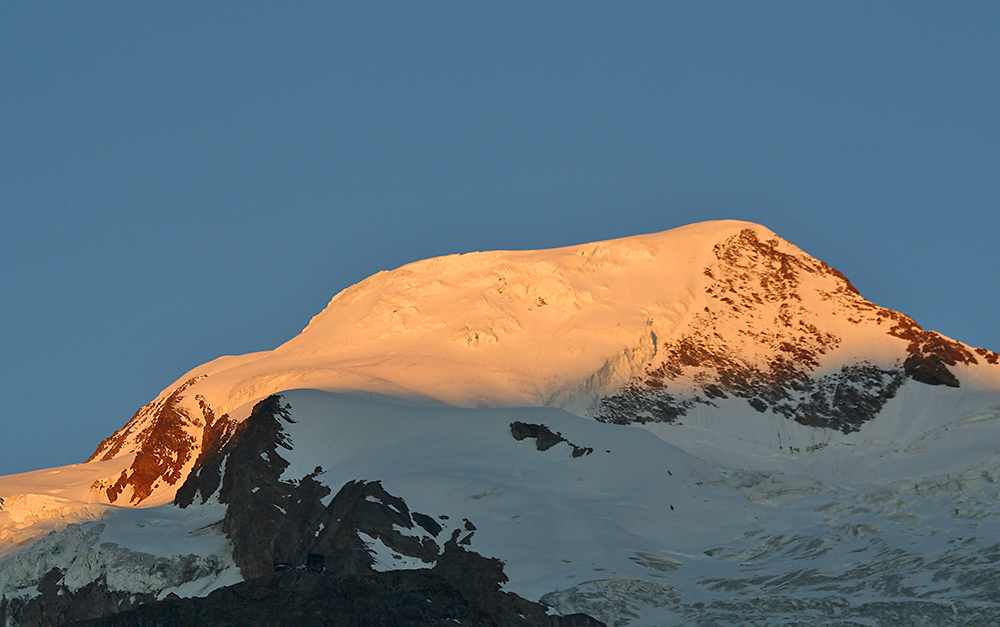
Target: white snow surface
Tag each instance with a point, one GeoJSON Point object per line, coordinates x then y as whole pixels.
{"type": "Point", "coordinates": [559, 328]}
{"type": "Point", "coordinates": [551, 517]}
{"type": "Point", "coordinates": [413, 377]}
{"type": "Point", "coordinates": [135, 549]}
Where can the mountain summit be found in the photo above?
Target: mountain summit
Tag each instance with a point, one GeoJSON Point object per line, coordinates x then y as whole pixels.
{"type": "Point", "coordinates": [700, 426]}
{"type": "Point", "coordinates": [644, 329]}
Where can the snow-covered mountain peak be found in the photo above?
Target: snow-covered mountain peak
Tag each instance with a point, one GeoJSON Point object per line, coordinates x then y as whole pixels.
{"type": "Point", "coordinates": [530, 323]}
{"type": "Point", "coordinates": [474, 299]}
{"type": "Point", "coordinates": [641, 329]}
{"type": "Point", "coordinates": [787, 439]}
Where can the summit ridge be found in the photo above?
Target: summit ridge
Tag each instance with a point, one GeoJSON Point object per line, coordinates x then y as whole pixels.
{"type": "Point", "coordinates": [703, 424]}
{"type": "Point", "coordinates": [635, 330]}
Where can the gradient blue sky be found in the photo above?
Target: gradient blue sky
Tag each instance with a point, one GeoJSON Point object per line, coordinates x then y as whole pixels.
{"type": "Point", "coordinates": [183, 180]}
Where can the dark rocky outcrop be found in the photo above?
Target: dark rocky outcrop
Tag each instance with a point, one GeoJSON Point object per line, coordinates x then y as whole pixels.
{"type": "Point", "coordinates": [544, 438]}
{"type": "Point", "coordinates": [327, 570]}
{"type": "Point", "coordinates": [929, 354]}
{"type": "Point", "coordinates": [265, 517]}
{"type": "Point", "coordinates": [57, 605]}
{"type": "Point", "coordinates": [843, 400]}
{"type": "Point", "coordinates": [751, 278]}
{"type": "Point", "coordinates": [273, 521]}
{"type": "Point", "coordinates": [165, 445]}
{"type": "Point", "coordinates": [415, 598]}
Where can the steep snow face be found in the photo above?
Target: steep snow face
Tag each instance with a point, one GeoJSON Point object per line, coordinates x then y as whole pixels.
{"type": "Point", "coordinates": [642, 329]}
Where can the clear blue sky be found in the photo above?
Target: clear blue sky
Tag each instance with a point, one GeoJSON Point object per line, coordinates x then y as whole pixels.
{"type": "Point", "coordinates": [182, 180]}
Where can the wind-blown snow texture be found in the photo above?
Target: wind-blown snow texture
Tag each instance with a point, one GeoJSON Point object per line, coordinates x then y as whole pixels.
{"type": "Point", "coordinates": [733, 435]}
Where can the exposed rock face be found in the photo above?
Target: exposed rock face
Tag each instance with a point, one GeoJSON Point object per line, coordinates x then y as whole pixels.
{"type": "Point", "coordinates": [544, 438]}
{"type": "Point", "coordinates": [271, 521]}
{"type": "Point", "coordinates": [929, 354]}
{"type": "Point", "coordinates": [279, 523]}
{"type": "Point", "coordinates": [669, 321]}
{"type": "Point", "coordinates": [245, 469]}
{"type": "Point", "coordinates": [56, 604]}
{"type": "Point", "coordinates": [478, 579]}
{"type": "Point", "coordinates": [842, 401]}
{"type": "Point", "coordinates": [165, 444]}
{"type": "Point", "coordinates": [772, 360]}
{"type": "Point", "coordinates": [420, 598]}
{"type": "Point", "coordinates": [71, 574]}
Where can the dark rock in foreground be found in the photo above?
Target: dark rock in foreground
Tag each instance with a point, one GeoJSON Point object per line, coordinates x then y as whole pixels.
{"type": "Point", "coordinates": [297, 598]}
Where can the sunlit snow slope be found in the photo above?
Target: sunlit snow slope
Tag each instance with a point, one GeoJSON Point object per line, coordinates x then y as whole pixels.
{"type": "Point", "coordinates": [735, 436]}
{"type": "Point", "coordinates": [653, 329]}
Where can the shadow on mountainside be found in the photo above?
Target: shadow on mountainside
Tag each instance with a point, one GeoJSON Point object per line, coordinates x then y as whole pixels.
{"type": "Point", "coordinates": [298, 598]}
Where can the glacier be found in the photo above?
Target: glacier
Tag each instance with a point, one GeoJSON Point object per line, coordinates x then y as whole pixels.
{"type": "Point", "coordinates": [742, 439]}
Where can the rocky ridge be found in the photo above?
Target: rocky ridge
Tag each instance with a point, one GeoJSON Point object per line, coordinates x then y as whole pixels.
{"type": "Point", "coordinates": [760, 338]}
{"type": "Point", "coordinates": [164, 444]}
{"type": "Point", "coordinates": [424, 598]}
{"type": "Point", "coordinates": [287, 524]}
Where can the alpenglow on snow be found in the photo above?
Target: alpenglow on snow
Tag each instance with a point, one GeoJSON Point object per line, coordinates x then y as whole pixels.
{"type": "Point", "coordinates": [701, 426]}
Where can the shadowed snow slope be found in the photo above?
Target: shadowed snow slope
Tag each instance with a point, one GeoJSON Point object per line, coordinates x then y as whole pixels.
{"type": "Point", "coordinates": [705, 423]}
